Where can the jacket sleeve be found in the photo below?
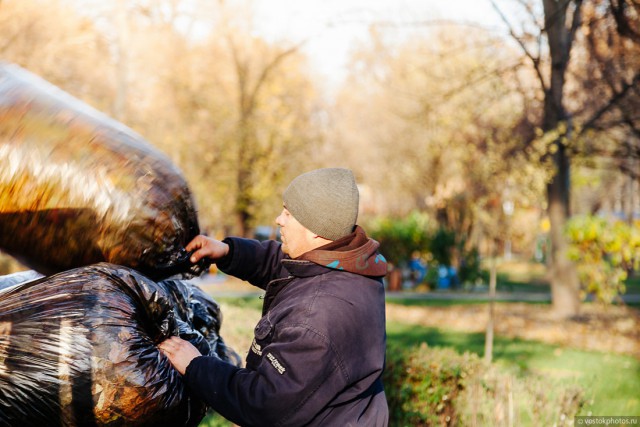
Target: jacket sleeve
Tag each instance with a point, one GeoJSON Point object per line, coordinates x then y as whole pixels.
{"type": "Point", "coordinates": [294, 380]}
{"type": "Point", "coordinates": [254, 261]}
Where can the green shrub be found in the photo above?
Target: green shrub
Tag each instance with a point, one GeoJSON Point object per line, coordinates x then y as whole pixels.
{"type": "Point", "coordinates": [498, 398]}
{"type": "Point", "coordinates": [470, 271]}
{"type": "Point", "coordinates": [441, 245]}
{"type": "Point", "coordinates": [422, 384]}
{"type": "Point", "coordinates": [440, 387]}
{"type": "Point", "coordinates": [400, 238]}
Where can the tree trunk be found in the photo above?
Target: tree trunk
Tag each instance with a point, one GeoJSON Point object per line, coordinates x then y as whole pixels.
{"type": "Point", "coordinates": [488, 339]}
{"type": "Point", "coordinates": [564, 280]}
{"type": "Point", "coordinates": [243, 198]}
{"type": "Point", "coordinates": [560, 33]}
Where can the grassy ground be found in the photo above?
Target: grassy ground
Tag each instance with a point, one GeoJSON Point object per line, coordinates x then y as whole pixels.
{"type": "Point", "coordinates": [611, 382]}
{"type": "Point", "coordinates": [515, 276]}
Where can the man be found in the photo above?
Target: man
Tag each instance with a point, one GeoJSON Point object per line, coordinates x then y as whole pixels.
{"type": "Point", "coordinates": [318, 351]}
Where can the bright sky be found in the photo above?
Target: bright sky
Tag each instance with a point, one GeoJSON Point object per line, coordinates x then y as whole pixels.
{"type": "Point", "coordinates": [329, 45]}
{"type": "Point", "coordinates": [335, 27]}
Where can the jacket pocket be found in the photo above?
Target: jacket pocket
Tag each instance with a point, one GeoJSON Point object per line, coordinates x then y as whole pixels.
{"type": "Point", "coordinates": [262, 337]}
{"type": "Point", "coordinates": [263, 329]}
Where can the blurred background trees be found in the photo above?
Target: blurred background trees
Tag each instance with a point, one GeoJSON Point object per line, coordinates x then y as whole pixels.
{"type": "Point", "coordinates": [468, 132]}
{"type": "Point", "coordinates": [560, 40]}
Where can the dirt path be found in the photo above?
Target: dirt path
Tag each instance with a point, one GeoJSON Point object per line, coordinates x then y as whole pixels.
{"type": "Point", "coordinates": [613, 329]}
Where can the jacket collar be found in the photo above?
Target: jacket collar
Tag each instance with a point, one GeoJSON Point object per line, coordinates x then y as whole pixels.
{"type": "Point", "coordinates": [302, 268]}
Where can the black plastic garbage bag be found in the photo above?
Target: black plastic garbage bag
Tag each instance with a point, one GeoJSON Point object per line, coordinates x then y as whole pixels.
{"type": "Point", "coordinates": [78, 188]}
{"type": "Point", "coordinates": [79, 349]}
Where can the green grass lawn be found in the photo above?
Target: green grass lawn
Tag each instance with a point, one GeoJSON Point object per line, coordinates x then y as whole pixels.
{"type": "Point", "coordinates": [611, 382]}
{"type": "Point", "coordinates": [249, 303]}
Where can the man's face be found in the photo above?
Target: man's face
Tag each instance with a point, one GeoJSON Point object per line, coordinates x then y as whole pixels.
{"type": "Point", "coordinates": [296, 239]}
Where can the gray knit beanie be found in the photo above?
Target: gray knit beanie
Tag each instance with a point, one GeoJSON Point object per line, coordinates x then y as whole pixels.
{"type": "Point", "coordinates": [325, 201]}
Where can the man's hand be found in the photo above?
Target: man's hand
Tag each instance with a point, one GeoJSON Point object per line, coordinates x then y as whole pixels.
{"type": "Point", "coordinates": [206, 247]}
{"type": "Point", "coordinates": [179, 352]}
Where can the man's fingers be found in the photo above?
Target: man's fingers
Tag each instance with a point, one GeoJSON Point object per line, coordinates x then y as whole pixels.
{"type": "Point", "coordinates": [197, 255]}
{"type": "Point", "coordinates": [169, 345]}
{"type": "Point", "coordinates": [196, 243]}
{"type": "Point", "coordinates": [206, 247]}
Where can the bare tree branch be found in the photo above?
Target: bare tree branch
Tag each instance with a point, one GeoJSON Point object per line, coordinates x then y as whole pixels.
{"type": "Point", "coordinates": [535, 60]}
{"type": "Point", "coordinates": [619, 9]}
{"type": "Point", "coordinates": [615, 99]}
{"type": "Point", "coordinates": [271, 66]}
{"type": "Point", "coordinates": [575, 25]}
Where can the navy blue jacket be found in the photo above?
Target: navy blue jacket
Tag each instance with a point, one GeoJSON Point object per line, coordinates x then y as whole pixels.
{"type": "Point", "coordinates": [318, 351]}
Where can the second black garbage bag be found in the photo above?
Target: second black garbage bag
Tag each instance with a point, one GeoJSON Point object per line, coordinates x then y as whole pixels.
{"type": "Point", "coordinates": [79, 349]}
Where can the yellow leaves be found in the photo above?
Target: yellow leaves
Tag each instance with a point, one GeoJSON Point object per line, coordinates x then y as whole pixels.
{"type": "Point", "coordinates": [603, 252]}
{"type": "Point", "coordinates": [545, 225]}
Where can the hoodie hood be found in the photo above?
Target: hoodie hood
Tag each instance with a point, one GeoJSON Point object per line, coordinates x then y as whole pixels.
{"type": "Point", "coordinates": [355, 253]}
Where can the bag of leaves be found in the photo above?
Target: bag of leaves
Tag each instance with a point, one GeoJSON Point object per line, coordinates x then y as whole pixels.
{"type": "Point", "coordinates": [79, 349]}
{"type": "Point", "coordinates": [78, 188]}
